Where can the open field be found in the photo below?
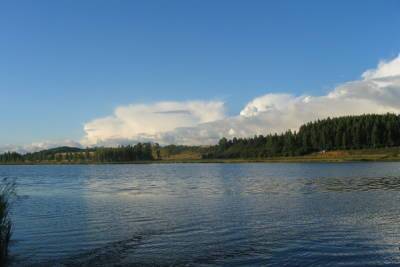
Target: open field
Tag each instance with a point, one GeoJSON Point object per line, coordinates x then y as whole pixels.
{"type": "Point", "coordinates": [380, 154]}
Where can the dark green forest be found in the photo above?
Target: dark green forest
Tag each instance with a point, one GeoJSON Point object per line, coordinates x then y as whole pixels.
{"type": "Point", "coordinates": [342, 133]}
{"type": "Point", "coordinates": [369, 131]}
{"type": "Point", "coordinates": [138, 152]}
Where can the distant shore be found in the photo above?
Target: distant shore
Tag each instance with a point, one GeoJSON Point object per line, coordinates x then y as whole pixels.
{"type": "Point", "coordinates": [334, 156]}
{"type": "Point", "coordinates": [299, 159]}
{"type": "Point", "coordinates": [368, 137]}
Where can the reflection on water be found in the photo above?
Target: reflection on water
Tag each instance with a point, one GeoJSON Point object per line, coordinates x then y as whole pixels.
{"type": "Point", "coordinates": [207, 214]}
{"type": "Point", "coordinates": [357, 184]}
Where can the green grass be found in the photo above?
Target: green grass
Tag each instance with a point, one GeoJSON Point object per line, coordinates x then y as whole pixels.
{"type": "Point", "coordinates": [379, 154]}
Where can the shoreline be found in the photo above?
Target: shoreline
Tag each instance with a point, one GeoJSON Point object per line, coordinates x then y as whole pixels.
{"type": "Point", "coordinates": [224, 161]}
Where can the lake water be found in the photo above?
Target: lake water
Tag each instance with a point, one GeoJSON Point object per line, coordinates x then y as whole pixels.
{"type": "Point", "coordinates": [207, 215]}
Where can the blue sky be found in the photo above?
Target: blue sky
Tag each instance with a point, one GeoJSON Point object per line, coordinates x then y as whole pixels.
{"type": "Point", "coordinates": [64, 63]}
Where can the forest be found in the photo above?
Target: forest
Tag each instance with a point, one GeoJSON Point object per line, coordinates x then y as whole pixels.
{"type": "Point", "coordinates": [370, 131]}
{"type": "Point", "coordinates": [341, 133]}
{"type": "Point", "coordinates": [138, 152]}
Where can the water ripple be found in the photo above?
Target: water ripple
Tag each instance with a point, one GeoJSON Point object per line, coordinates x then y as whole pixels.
{"type": "Point", "coordinates": [207, 215]}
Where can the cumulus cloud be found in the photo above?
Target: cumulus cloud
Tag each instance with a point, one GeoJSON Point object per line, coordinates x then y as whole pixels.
{"type": "Point", "coordinates": [377, 91]}
{"type": "Point", "coordinates": [205, 122]}
{"type": "Point", "coordinates": [150, 122]}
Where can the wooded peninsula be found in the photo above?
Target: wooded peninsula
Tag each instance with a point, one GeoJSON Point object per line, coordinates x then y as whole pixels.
{"type": "Point", "coordinates": [363, 137]}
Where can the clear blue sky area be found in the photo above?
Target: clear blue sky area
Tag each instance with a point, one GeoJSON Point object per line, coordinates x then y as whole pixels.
{"type": "Point", "coordinates": [63, 63]}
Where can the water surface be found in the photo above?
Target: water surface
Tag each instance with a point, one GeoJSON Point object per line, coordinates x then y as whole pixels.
{"type": "Point", "coordinates": [260, 214]}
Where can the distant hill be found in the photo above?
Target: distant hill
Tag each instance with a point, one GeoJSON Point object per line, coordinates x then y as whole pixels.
{"type": "Point", "coordinates": [61, 149]}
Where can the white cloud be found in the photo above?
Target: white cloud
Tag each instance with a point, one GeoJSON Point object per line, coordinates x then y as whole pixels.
{"type": "Point", "coordinates": [384, 69]}
{"type": "Point", "coordinates": [145, 122]}
{"type": "Point", "coordinates": [378, 91]}
{"type": "Point", "coordinates": [268, 102]}
{"type": "Point", "coordinates": [204, 122]}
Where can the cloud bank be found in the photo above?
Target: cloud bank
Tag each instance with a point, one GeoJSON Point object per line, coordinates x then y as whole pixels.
{"type": "Point", "coordinates": [204, 122]}
{"type": "Point", "coordinates": [150, 122]}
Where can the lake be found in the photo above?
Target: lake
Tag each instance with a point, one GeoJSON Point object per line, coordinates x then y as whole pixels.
{"type": "Point", "coordinates": [256, 214]}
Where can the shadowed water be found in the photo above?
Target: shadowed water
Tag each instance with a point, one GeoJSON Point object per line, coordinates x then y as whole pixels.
{"type": "Point", "coordinates": [207, 215]}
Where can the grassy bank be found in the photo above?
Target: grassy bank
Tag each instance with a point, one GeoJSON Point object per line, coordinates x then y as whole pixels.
{"type": "Point", "coordinates": [381, 154]}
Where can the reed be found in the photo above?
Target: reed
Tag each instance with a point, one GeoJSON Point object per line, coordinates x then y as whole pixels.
{"type": "Point", "coordinates": [7, 191]}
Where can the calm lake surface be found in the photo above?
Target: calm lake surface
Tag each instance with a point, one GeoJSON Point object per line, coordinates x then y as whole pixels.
{"type": "Point", "coordinates": [207, 214]}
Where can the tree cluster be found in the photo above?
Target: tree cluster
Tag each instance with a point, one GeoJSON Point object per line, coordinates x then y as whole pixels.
{"type": "Point", "coordinates": [348, 132]}
{"type": "Point", "coordinates": [124, 153]}
{"type": "Point", "coordinates": [140, 151]}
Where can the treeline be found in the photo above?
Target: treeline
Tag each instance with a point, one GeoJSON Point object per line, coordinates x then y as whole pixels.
{"type": "Point", "coordinates": [11, 157]}
{"type": "Point", "coordinates": [349, 132]}
{"type": "Point", "coordinates": [129, 153]}
{"type": "Point", "coordinates": [342, 133]}
{"type": "Point", "coordinates": [52, 154]}
{"type": "Point", "coordinates": [145, 151]}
